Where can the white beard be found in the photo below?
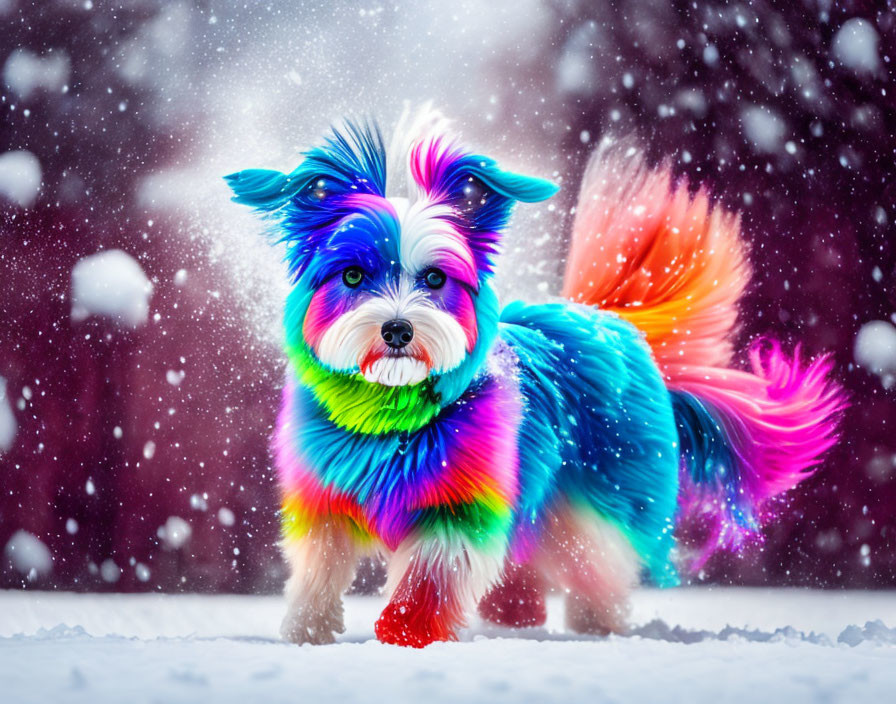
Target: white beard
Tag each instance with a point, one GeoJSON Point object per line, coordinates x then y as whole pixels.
{"type": "Point", "coordinates": [396, 371]}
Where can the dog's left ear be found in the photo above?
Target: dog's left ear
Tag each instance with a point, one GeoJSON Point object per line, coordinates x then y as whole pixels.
{"type": "Point", "coordinates": [526, 189]}
{"type": "Point", "coordinates": [263, 189]}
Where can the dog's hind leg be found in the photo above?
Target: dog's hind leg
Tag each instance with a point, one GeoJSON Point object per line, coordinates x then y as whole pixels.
{"type": "Point", "coordinates": [434, 583]}
{"type": "Point", "coordinates": [594, 563]}
{"type": "Point", "coordinates": [517, 600]}
{"type": "Point", "coordinates": [322, 564]}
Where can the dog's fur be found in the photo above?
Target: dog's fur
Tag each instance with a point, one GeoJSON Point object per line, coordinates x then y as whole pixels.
{"type": "Point", "coordinates": [494, 454]}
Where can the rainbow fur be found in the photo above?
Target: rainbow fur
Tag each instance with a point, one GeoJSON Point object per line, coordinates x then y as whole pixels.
{"type": "Point", "coordinates": [494, 453]}
{"type": "Point", "coordinates": [676, 268]}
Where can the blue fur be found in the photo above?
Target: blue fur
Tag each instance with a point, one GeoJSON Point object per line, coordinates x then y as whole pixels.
{"type": "Point", "coordinates": [707, 456]}
{"type": "Point", "coordinates": [451, 385]}
{"type": "Point", "coordinates": [380, 471]}
{"type": "Point", "coordinates": [599, 427]}
{"type": "Point", "coordinates": [526, 189]}
{"type": "Point", "coordinates": [351, 161]}
{"type": "Point", "coordinates": [368, 238]}
{"type": "Point", "coordinates": [262, 189]}
{"type": "Point", "coordinates": [354, 156]}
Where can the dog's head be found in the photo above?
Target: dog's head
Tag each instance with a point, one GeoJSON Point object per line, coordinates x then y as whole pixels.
{"type": "Point", "coordinates": [390, 285]}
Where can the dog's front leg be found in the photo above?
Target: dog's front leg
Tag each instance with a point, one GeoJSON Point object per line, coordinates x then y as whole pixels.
{"type": "Point", "coordinates": [433, 584]}
{"type": "Point", "coordinates": [322, 564]}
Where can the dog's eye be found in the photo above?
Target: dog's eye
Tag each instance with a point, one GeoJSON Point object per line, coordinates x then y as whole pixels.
{"type": "Point", "coordinates": [319, 189]}
{"type": "Point", "coordinates": [434, 278]}
{"type": "Point", "coordinates": [474, 194]}
{"type": "Point", "coordinates": [353, 276]}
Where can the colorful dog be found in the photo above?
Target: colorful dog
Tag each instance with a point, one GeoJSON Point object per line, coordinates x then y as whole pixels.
{"type": "Point", "coordinates": [494, 453]}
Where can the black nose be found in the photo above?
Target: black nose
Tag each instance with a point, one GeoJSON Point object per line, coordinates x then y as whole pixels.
{"type": "Point", "coordinates": [397, 333]}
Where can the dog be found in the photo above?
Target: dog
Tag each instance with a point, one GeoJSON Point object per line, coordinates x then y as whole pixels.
{"type": "Point", "coordinates": [491, 454]}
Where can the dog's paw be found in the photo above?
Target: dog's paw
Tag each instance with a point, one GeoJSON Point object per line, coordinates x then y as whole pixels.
{"type": "Point", "coordinates": [514, 608]}
{"type": "Point", "coordinates": [517, 602]}
{"type": "Point", "coordinates": [401, 624]}
{"type": "Point", "coordinates": [306, 626]}
{"type": "Point", "coordinates": [587, 618]}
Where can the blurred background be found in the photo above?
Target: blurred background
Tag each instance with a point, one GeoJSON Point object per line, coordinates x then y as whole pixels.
{"type": "Point", "coordinates": [140, 310]}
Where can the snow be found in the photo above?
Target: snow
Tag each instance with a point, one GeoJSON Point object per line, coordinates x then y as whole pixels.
{"type": "Point", "coordinates": [28, 555]}
{"type": "Point", "coordinates": [174, 377]}
{"type": "Point", "coordinates": [180, 277]}
{"type": "Point", "coordinates": [855, 46]}
{"type": "Point", "coordinates": [175, 533]}
{"type": "Point", "coordinates": [805, 75]}
{"type": "Point", "coordinates": [764, 128]}
{"type": "Point", "coordinates": [875, 349]}
{"type": "Point", "coordinates": [692, 100]}
{"type": "Point", "coordinates": [109, 571]}
{"type": "Point", "coordinates": [20, 177]}
{"type": "Point", "coordinates": [26, 73]}
{"type": "Point", "coordinates": [576, 72]}
{"type": "Point", "coordinates": [781, 645]}
{"type": "Point", "coordinates": [143, 572]}
{"type": "Point", "coordinates": [111, 284]}
{"type": "Point", "coordinates": [8, 424]}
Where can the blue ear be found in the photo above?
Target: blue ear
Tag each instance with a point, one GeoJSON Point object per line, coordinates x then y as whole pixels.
{"type": "Point", "coordinates": [262, 188]}
{"type": "Point", "coordinates": [527, 189]}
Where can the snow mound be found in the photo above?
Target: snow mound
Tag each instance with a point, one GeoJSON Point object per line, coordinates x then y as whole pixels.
{"type": "Point", "coordinates": [111, 284]}
{"type": "Point", "coordinates": [872, 631]}
{"type": "Point", "coordinates": [28, 555]}
{"type": "Point", "coordinates": [658, 629]}
{"type": "Point", "coordinates": [20, 177]}
{"type": "Point", "coordinates": [26, 73]}
{"type": "Point", "coordinates": [8, 424]}
{"type": "Point", "coordinates": [875, 350]}
{"type": "Point", "coordinates": [60, 631]}
{"type": "Point", "coordinates": [855, 46]}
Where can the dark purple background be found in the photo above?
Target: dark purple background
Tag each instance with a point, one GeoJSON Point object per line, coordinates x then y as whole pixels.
{"type": "Point", "coordinates": [813, 218]}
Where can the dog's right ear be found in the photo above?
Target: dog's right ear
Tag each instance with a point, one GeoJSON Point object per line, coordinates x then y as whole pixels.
{"type": "Point", "coordinates": [263, 189]}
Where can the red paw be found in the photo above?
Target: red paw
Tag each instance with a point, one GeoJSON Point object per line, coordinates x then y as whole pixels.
{"type": "Point", "coordinates": [404, 624]}
{"type": "Point", "coordinates": [518, 602]}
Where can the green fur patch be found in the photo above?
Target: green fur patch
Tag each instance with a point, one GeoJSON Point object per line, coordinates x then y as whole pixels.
{"type": "Point", "coordinates": [360, 406]}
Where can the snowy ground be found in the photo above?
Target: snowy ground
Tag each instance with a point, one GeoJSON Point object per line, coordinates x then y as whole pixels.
{"type": "Point", "coordinates": [694, 645]}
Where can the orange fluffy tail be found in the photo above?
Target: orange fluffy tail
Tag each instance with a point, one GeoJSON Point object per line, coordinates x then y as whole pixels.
{"type": "Point", "coordinates": [668, 263]}
{"type": "Point", "coordinates": [676, 267]}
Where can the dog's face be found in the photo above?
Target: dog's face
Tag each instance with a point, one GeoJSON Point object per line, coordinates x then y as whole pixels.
{"type": "Point", "coordinates": [392, 280]}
